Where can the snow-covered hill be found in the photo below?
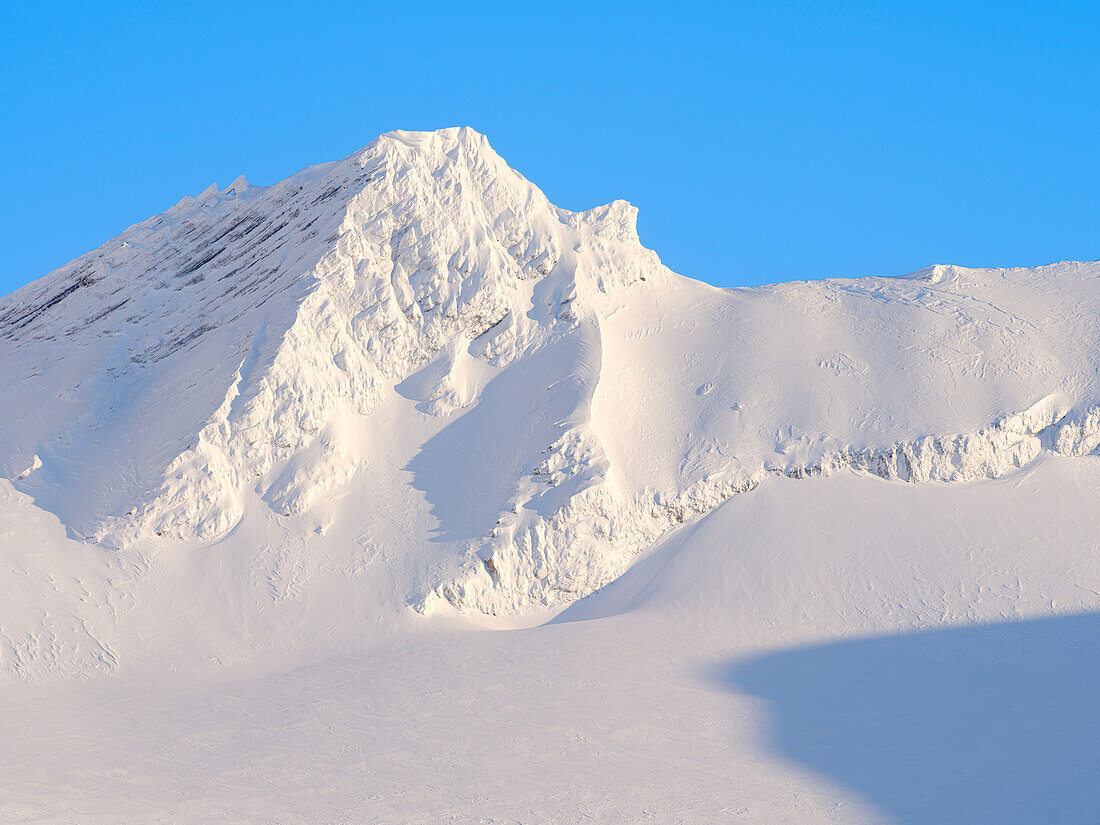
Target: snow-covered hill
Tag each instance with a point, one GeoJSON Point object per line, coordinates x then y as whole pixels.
{"type": "Point", "coordinates": [402, 392]}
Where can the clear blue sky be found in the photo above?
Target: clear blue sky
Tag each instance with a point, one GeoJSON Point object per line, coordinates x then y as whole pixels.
{"type": "Point", "coordinates": [762, 142]}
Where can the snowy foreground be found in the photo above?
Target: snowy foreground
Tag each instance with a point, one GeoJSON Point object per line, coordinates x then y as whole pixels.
{"type": "Point", "coordinates": [393, 493]}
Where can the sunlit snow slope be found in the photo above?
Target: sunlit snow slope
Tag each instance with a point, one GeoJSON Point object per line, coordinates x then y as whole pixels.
{"type": "Point", "coordinates": [405, 379]}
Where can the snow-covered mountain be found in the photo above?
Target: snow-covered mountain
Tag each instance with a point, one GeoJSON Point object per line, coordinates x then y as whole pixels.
{"type": "Point", "coordinates": [555, 398]}
{"type": "Point", "coordinates": [404, 385]}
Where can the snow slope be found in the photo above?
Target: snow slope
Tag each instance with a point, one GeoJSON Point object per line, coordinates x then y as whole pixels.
{"type": "Point", "coordinates": [280, 453]}
{"type": "Point", "coordinates": [827, 650]}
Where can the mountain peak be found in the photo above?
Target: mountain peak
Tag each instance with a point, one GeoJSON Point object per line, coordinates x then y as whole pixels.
{"type": "Point", "coordinates": [457, 144]}
{"type": "Point", "coordinates": [284, 308]}
{"type": "Point", "coordinates": [447, 137]}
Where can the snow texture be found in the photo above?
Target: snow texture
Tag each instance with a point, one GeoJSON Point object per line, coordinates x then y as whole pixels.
{"type": "Point", "coordinates": [324, 429]}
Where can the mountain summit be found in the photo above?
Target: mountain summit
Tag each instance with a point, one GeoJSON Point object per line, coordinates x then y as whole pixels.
{"type": "Point", "coordinates": [410, 371]}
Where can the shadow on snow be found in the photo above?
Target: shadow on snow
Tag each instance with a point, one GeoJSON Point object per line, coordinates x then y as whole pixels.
{"type": "Point", "coordinates": [981, 724]}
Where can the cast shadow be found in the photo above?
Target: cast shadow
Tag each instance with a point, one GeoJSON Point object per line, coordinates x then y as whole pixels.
{"type": "Point", "coordinates": [980, 724]}
{"type": "Point", "coordinates": [468, 472]}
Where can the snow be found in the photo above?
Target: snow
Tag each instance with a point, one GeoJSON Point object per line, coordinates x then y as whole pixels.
{"type": "Point", "coordinates": [392, 492]}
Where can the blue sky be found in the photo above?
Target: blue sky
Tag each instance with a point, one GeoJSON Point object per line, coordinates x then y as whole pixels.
{"type": "Point", "coordinates": [762, 142]}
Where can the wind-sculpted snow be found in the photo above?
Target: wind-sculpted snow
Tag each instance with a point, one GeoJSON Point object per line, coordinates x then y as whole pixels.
{"type": "Point", "coordinates": [408, 373]}
{"type": "Point", "coordinates": [590, 542]}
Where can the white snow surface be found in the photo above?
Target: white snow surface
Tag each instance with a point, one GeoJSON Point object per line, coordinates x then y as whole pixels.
{"type": "Point", "coordinates": [274, 462]}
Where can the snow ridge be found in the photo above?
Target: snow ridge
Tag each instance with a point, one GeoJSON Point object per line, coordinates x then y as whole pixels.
{"type": "Point", "coordinates": [593, 539]}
